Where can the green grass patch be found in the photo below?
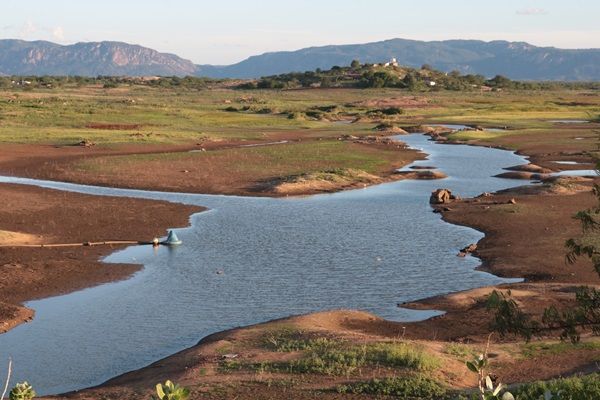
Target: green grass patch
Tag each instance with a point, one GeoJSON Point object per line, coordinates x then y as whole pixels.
{"type": "Point", "coordinates": [415, 387]}
{"type": "Point", "coordinates": [460, 351]}
{"type": "Point", "coordinates": [325, 356]}
{"type": "Point", "coordinates": [170, 115]}
{"type": "Point", "coordinates": [287, 340]}
{"type": "Point", "coordinates": [530, 350]}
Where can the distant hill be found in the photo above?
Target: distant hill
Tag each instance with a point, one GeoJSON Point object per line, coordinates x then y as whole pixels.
{"type": "Point", "coordinates": [516, 60]}
{"type": "Point", "coordinates": [19, 57]}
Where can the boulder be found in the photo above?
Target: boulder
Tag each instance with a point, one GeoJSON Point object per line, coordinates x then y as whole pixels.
{"type": "Point", "coordinates": [441, 196]}
{"type": "Point", "coordinates": [86, 143]}
{"type": "Point", "coordinates": [467, 250]}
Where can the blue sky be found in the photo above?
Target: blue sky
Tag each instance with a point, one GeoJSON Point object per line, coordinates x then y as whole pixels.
{"type": "Point", "coordinates": [223, 32]}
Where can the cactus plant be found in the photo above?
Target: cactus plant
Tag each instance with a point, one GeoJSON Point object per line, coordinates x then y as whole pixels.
{"type": "Point", "coordinates": [22, 391]}
{"type": "Point", "coordinates": [171, 391]}
{"type": "Point", "coordinates": [487, 389]}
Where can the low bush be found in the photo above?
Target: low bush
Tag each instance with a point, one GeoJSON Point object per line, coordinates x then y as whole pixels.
{"type": "Point", "coordinates": [411, 388]}
{"type": "Point", "coordinates": [574, 388]}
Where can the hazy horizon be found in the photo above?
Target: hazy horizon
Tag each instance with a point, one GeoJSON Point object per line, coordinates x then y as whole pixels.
{"type": "Point", "coordinates": [226, 33]}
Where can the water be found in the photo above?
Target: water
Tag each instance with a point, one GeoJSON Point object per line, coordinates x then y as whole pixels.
{"type": "Point", "coordinates": [365, 249]}
{"type": "Point", "coordinates": [455, 127]}
{"type": "Point", "coordinates": [567, 162]}
{"type": "Point", "coordinates": [569, 121]}
{"type": "Point", "coordinates": [577, 172]}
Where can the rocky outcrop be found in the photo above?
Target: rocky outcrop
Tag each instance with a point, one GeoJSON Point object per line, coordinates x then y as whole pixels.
{"type": "Point", "coordinates": [536, 169]}
{"type": "Point", "coordinates": [422, 174]}
{"type": "Point", "coordinates": [467, 250]}
{"type": "Point", "coordinates": [429, 130]}
{"type": "Point", "coordinates": [19, 57]}
{"type": "Point", "coordinates": [442, 196]}
{"type": "Point", "coordinates": [390, 129]}
{"type": "Point", "coordinates": [372, 139]}
{"type": "Point", "coordinates": [522, 175]}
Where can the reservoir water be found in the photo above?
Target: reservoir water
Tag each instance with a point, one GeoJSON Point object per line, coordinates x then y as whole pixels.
{"type": "Point", "coordinates": [366, 249]}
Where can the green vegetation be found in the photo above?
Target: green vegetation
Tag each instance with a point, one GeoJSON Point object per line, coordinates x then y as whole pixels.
{"type": "Point", "coordinates": [395, 76]}
{"type": "Point", "coordinates": [459, 350]}
{"type": "Point", "coordinates": [171, 391]}
{"type": "Point", "coordinates": [22, 391]}
{"type": "Point", "coordinates": [530, 350]}
{"type": "Point", "coordinates": [336, 357]}
{"type": "Point", "coordinates": [574, 388]}
{"type": "Point", "coordinates": [288, 340]}
{"type": "Point", "coordinates": [488, 389]}
{"type": "Point", "coordinates": [410, 387]}
{"type": "Point", "coordinates": [143, 113]}
{"type": "Point", "coordinates": [508, 316]}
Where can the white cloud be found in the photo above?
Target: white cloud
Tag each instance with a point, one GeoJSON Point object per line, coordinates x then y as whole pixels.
{"type": "Point", "coordinates": [58, 33]}
{"type": "Point", "coordinates": [532, 11]}
{"type": "Point", "coordinates": [27, 29]}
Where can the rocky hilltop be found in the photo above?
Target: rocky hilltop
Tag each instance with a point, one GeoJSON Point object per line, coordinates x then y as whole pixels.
{"type": "Point", "coordinates": [18, 57]}
{"type": "Point", "coordinates": [515, 60]}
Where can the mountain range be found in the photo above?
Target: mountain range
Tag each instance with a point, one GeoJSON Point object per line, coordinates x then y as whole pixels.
{"type": "Point", "coordinates": [516, 60]}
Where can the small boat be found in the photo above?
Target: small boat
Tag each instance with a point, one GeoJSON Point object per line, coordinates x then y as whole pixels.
{"type": "Point", "coordinates": [172, 240]}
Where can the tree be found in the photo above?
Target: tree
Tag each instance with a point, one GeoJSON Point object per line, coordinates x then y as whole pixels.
{"type": "Point", "coordinates": [355, 64]}
{"type": "Point", "coordinates": [411, 82]}
{"type": "Point", "coordinates": [500, 81]}
{"type": "Point", "coordinates": [427, 67]}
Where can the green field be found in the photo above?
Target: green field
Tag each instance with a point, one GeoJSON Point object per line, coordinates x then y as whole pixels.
{"type": "Point", "coordinates": [63, 116]}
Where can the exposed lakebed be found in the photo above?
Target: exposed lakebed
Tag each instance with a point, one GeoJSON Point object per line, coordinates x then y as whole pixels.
{"type": "Point", "coordinates": [249, 260]}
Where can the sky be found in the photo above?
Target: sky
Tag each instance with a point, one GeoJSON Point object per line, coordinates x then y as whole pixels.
{"type": "Point", "coordinates": [228, 31]}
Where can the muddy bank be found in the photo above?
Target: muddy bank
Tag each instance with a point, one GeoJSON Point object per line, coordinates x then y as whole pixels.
{"type": "Point", "coordinates": [522, 240]}
{"type": "Point", "coordinates": [207, 167]}
{"type": "Point", "coordinates": [35, 215]}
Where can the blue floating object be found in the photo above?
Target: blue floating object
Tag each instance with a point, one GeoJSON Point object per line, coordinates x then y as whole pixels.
{"type": "Point", "coordinates": [172, 239]}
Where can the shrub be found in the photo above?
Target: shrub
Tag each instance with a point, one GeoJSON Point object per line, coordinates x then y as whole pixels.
{"type": "Point", "coordinates": [171, 391]}
{"type": "Point", "coordinates": [574, 388]}
{"type": "Point", "coordinates": [22, 391]}
{"type": "Point", "coordinates": [392, 111]}
{"type": "Point", "coordinates": [415, 387]}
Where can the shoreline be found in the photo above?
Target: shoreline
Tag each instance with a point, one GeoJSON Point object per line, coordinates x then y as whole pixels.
{"type": "Point", "coordinates": [13, 313]}
{"type": "Point", "coordinates": [426, 303]}
{"type": "Point", "coordinates": [42, 272]}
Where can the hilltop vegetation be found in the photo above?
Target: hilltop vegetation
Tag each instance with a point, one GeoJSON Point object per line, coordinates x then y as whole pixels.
{"type": "Point", "coordinates": [356, 75]}
{"type": "Point", "coordinates": [392, 75]}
